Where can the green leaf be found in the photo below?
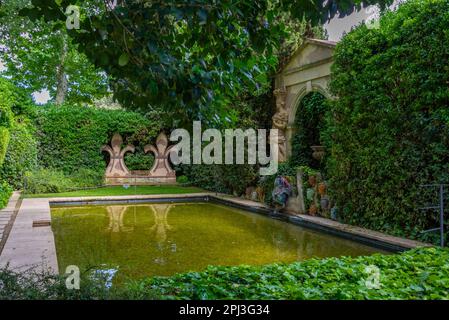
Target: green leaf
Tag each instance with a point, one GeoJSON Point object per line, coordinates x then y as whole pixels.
{"type": "Point", "coordinates": [123, 60]}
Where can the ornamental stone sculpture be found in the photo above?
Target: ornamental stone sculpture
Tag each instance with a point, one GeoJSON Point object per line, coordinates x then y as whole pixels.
{"type": "Point", "coordinates": [116, 166]}
{"type": "Point", "coordinates": [118, 174]}
{"type": "Point", "coordinates": [280, 120]}
{"type": "Point", "coordinates": [161, 166]}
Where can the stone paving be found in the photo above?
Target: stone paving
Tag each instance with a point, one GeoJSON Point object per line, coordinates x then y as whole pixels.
{"type": "Point", "coordinates": [28, 246]}
{"type": "Point", "coordinates": [6, 217]}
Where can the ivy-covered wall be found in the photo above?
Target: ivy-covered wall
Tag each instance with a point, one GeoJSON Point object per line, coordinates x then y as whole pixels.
{"type": "Point", "coordinates": [388, 132]}
{"type": "Point", "coordinates": [309, 122]}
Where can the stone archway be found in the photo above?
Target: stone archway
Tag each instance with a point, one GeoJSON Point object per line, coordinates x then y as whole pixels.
{"type": "Point", "coordinates": [306, 129]}
{"type": "Point", "coordinates": [309, 70]}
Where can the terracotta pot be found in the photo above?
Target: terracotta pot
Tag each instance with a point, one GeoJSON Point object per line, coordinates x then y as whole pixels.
{"type": "Point", "coordinates": [318, 152]}
{"type": "Point", "coordinates": [313, 210]}
{"type": "Point", "coordinates": [322, 188]}
{"type": "Point", "coordinates": [312, 180]}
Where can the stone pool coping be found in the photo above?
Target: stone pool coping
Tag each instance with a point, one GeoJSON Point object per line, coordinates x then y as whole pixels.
{"type": "Point", "coordinates": [29, 246]}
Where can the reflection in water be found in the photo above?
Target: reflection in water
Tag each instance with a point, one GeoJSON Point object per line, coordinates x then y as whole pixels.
{"type": "Point", "coordinates": [116, 214]}
{"type": "Point", "coordinates": [161, 226]}
{"type": "Point", "coordinates": [163, 239]}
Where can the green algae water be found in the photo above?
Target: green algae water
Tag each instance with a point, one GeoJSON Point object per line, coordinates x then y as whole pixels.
{"type": "Point", "coordinates": [167, 238]}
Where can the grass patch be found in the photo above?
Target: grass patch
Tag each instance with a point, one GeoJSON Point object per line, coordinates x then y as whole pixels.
{"type": "Point", "coordinates": [120, 191]}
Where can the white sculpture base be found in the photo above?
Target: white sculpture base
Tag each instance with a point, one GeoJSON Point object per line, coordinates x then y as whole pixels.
{"type": "Point", "coordinates": [139, 180]}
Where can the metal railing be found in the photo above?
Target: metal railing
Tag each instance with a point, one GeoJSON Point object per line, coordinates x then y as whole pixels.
{"type": "Point", "coordinates": [439, 207]}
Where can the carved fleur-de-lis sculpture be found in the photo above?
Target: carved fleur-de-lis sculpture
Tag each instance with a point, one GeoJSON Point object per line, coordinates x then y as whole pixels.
{"type": "Point", "coordinates": [161, 166]}
{"type": "Point", "coordinates": [116, 166]}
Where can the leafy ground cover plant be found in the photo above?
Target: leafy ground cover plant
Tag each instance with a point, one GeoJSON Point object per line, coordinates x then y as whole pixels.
{"type": "Point", "coordinates": [417, 274]}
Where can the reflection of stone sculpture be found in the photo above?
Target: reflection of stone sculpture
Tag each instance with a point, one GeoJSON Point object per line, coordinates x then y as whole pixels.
{"type": "Point", "coordinates": [116, 166]}
{"type": "Point", "coordinates": [161, 226]}
{"type": "Point", "coordinates": [118, 174]}
{"type": "Point", "coordinates": [116, 215]}
{"type": "Point", "coordinates": [280, 120]}
{"type": "Point", "coordinates": [161, 166]}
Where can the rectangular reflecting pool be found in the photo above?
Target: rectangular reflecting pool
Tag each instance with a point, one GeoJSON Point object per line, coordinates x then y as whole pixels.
{"type": "Point", "coordinates": [166, 238]}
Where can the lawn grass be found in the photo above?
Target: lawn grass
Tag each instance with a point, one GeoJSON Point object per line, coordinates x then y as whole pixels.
{"type": "Point", "coordinates": [120, 191]}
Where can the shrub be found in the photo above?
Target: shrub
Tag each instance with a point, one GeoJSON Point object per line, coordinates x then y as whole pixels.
{"type": "Point", "coordinates": [47, 181]}
{"type": "Point", "coordinates": [388, 131]}
{"type": "Point", "coordinates": [84, 177]}
{"type": "Point", "coordinates": [37, 285]}
{"type": "Point", "coordinates": [4, 141]}
{"type": "Point", "coordinates": [6, 103]}
{"type": "Point", "coordinates": [231, 179]}
{"type": "Point", "coordinates": [182, 180]}
{"type": "Point", "coordinates": [5, 193]}
{"type": "Point", "coordinates": [139, 160]}
{"type": "Point", "coordinates": [54, 181]}
{"type": "Point", "coordinates": [21, 155]}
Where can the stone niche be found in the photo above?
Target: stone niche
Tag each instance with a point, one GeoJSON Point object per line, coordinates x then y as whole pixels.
{"type": "Point", "coordinates": [118, 174]}
{"type": "Point", "coordinates": [308, 70]}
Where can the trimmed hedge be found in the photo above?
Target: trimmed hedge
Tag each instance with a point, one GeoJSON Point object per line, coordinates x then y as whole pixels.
{"type": "Point", "coordinates": [55, 181]}
{"type": "Point", "coordinates": [5, 193]}
{"type": "Point", "coordinates": [231, 179]}
{"type": "Point", "coordinates": [6, 116]}
{"type": "Point", "coordinates": [388, 131]}
{"type": "Point", "coordinates": [4, 141]}
{"type": "Point", "coordinates": [21, 155]}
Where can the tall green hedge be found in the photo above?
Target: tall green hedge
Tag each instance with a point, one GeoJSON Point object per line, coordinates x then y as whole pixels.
{"type": "Point", "coordinates": [5, 193]}
{"type": "Point", "coordinates": [231, 179]}
{"type": "Point", "coordinates": [21, 155]}
{"type": "Point", "coordinates": [388, 132]}
{"type": "Point", "coordinates": [4, 141]}
{"type": "Point", "coordinates": [6, 115]}
{"type": "Point", "coordinates": [70, 137]}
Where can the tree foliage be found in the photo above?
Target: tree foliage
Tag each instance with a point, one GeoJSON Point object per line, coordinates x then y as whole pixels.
{"type": "Point", "coordinates": [191, 55]}
{"type": "Point", "coordinates": [38, 55]}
